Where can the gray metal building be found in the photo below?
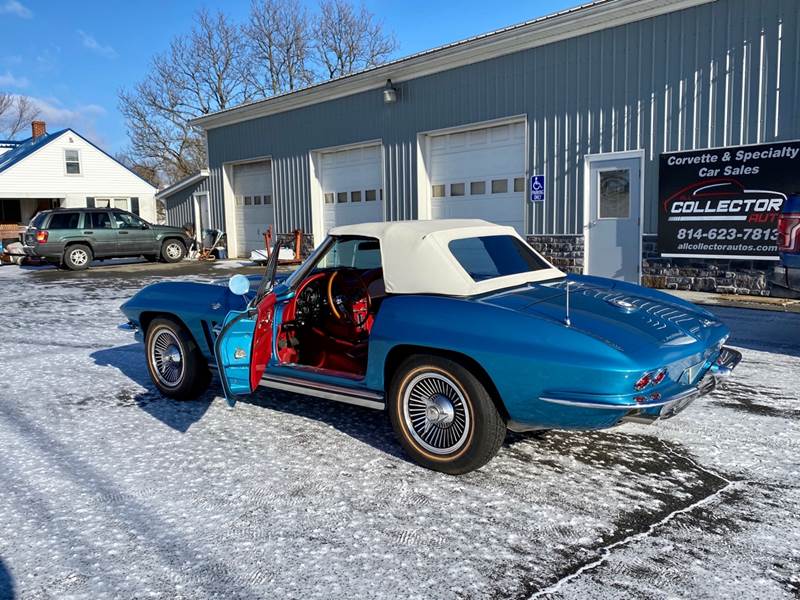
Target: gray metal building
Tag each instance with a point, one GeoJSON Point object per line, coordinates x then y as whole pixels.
{"type": "Point", "coordinates": [588, 98]}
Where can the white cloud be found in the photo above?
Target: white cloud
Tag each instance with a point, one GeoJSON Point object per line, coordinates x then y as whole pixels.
{"type": "Point", "coordinates": [13, 7]}
{"type": "Point", "coordinates": [9, 80]}
{"type": "Point", "coordinates": [82, 117]}
{"type": "Point", "coordinates": [92, 44]}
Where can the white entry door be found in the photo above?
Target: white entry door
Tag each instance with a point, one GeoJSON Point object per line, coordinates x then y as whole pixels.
{"type": "Point", "coordinates": [351, 186]}
{"type": "Point", "coordinates": [612, 219]}
{"type": "Point", "coordinates": [479, 174]}
{"type": "Point", "coordinates": [252, 189]}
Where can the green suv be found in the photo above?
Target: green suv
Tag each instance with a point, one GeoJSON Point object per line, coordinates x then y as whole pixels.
{"type": "Point", "coordinates": [73, 237]}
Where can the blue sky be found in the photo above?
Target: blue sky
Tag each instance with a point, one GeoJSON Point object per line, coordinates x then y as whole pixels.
{"type": "Point", "coordinates": [73, 57]}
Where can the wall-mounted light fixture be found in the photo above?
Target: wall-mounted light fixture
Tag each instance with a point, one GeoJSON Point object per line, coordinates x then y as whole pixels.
{"type": "Point", "coordinates": [389, 93]}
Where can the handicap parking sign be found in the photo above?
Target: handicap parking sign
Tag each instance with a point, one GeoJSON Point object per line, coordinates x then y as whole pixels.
{"type": "Point", "coordinates": [537, 188]}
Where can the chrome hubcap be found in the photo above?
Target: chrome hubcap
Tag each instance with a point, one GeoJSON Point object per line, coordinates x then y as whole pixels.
{"type": "Point", "coordinates": [436, 413]}
{"type": "Point", "coordinates": [173, 250]}
{"type": "Point", "coordinates": [78, 257]}
{"type": "Point", "coordinates": [166, 357]}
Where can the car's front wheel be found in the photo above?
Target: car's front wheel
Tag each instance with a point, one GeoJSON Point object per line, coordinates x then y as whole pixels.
{"type": "Point", "coordinates": [443, 416]}
{"type": "Point", "coordinates": [173, 251]}
{"type": "Point", "coordinates": [77, 257]}
{"type": "Point", "coordinates": [176, 365]}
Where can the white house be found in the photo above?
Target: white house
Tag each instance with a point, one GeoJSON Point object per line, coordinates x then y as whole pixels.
{"type": "Point", "coordinates": [65, 169]}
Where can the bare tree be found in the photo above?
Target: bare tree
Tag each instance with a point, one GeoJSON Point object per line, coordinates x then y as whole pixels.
{"type": "Point", "coordinates": [278, 35]}
{"type": "Point", "coordinates": [16, 113]}
{"type": "Point", "coordinates": [349, 39]}
{"type": "Point", "coordinates": [202, 72]}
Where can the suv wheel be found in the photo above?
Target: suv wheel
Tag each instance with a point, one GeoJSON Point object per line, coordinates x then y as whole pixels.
{"type": "Point", "coordinates": [176, 365]}
{"type": "Point", "coordinates": [77, 257]}
{"type": "Point", "coordinates": [173, 251]}
{"type": "Point", "coordinates": [443, 416]}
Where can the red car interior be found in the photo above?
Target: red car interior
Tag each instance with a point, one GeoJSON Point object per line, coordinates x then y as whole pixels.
{"type": "Point", "coordinates": [326, 324]}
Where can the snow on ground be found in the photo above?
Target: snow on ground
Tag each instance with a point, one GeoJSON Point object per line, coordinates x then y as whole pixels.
{"type": "Point", "coordinates": [108, 490]}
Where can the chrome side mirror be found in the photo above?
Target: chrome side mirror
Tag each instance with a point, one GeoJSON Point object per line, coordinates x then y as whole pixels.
{"type": "Point", "coordinates": [239, 285]}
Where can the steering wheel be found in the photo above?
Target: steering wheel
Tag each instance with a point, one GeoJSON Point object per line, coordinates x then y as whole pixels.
{"type": "Point", "coordinates": [353, 307]}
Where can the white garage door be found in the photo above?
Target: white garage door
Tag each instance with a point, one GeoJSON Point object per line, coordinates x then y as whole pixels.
{"type": "Point", "coordinates": [351, 186]}
{"type": "Point", "coordinates": [479, 174]}
{"type": "Point", "coordinates": [252, 188]}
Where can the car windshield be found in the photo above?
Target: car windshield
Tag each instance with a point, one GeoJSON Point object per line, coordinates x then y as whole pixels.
{"type": "Point", "coordinates": [487, 257]}
{"type": "Point", "coordinates": [359, 253]}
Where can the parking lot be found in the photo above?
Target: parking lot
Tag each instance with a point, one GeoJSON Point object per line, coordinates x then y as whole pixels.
{"type": "Point", "coordinates": [109, 490]}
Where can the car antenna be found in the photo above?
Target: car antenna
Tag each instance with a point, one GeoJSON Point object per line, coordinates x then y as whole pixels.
{"type": "Point", "coordinates": [567, 321]}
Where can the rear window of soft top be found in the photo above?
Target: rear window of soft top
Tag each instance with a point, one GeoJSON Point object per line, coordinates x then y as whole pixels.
{"type": "Point", "coordinates": [491, 256]}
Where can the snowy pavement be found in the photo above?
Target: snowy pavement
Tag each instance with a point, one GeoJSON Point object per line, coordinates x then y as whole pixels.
{"type": "Point", "coordinates": [108, 490]}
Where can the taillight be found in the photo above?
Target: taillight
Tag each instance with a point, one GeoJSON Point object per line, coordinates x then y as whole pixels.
{"type": "Point", "coordinates": [659, 376]}
{"type": "Point", "coordinates": [642, 383]}
{"type": "Point", "coordinates": [789, 232]}
{"type": "Point", "coordinates": [41, 236]}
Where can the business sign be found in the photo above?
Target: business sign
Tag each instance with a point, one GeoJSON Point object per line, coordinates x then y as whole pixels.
{"type": "Point", "coordinates": [725, 202]}
{"type": "Point", "coordinates": [537, 188]}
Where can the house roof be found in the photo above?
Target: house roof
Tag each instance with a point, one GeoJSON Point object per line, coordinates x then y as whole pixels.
{"type": "Point", "coordinates": [416, 256]}
{"type": "Point", "coordinates": [573, 22]}
{"type": "Point", "coordinates": [182, 184]}
{"type": "Point", "coordinates": [24, 148]}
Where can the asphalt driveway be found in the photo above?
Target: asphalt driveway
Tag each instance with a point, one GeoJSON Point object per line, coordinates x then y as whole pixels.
{"type": "Point", "coordinates": [108, 490]}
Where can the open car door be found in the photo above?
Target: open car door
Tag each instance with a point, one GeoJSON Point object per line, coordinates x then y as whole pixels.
{"type": "Point", "coordinates": [244, 346]}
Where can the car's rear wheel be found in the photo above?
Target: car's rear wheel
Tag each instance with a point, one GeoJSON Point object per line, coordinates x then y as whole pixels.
{"type": "Point", "coordinates": [173, 251]}
{"type": "Point", "coordinates": [77, 257]}
{"type": "Point", "coordinates": [177, 367]}
{"type": "Point", "coordinates": [443, 416]}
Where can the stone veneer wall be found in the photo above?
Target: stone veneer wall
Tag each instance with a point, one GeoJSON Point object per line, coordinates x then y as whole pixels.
{"type": "Point", "coordinates": [564, 251]}
{"type": "Point", "coordinates": [702, 275]}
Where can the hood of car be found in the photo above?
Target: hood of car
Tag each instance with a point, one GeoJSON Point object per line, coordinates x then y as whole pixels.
{"type": "Point", "coordinates": [622, 315]}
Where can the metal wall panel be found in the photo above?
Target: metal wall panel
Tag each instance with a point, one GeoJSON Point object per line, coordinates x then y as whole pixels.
{"type": "Point", "coordinates": [718, 74]}
{"type": "Point", "coordinates": [180, 206]}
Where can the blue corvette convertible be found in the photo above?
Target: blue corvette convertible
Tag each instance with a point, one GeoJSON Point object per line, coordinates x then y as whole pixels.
{"type": "Point", "coordinates": [459, 329]}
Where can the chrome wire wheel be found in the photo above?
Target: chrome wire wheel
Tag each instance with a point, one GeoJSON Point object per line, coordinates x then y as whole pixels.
{"type": "Point", "coordinates": [173, 250]}
{"type": "Point", "coordinates": [166, 357]}
{"type": "Point", "coordinates": [436, 413]}
{"type": "Point", "coordinates": [78, 257]}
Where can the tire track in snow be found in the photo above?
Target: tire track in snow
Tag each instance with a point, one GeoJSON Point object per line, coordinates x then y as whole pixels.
{"type": "Point", "coordinates": [606, 551]}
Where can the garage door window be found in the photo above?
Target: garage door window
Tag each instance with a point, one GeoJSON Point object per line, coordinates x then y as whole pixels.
{"type": "Point", "coordinates": [238, 200]}
{"type": "Point", "coordinates": [456, 189]}
{"type": "Point", "coordinates": [437, 191]}
{"type": "Point", "coordinates": [329, 198]}
{"type": "Point", "coordinates": [476, 188]}
{"type": "Point", "coordinates": [248, 200]}
{"type": "Point", "coordinates": [519, 184]}
{"type": "Point", "coordinates": [268, 199]}
{"type": "Point", "coordinates": [256, 200]}
{"type": "Point", "coordinates": [370, 196]}
{"type": "Point", "coordinates": [499, 186]}
{"type": "Point", "coordinates": [341, 197]}
{"type": "Point", "coordinates": [355, 196]}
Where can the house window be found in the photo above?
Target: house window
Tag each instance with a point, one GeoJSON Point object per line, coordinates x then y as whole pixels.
{"type": "Point", "coordinates": [102, 202]}
{"type": "Point", "coordinates": [121, 203]}
{"type": "Point", "coordinates": [72, 160]}
{"type": "Point", "coordinates": [476, 188]}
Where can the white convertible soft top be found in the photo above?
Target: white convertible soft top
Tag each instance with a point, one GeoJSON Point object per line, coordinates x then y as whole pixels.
{"type": "Point", "coordinates": [417, 260]}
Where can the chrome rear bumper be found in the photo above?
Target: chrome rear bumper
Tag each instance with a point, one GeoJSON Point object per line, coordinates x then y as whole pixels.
{"type": "Point", "coordinates": [663, 408]}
